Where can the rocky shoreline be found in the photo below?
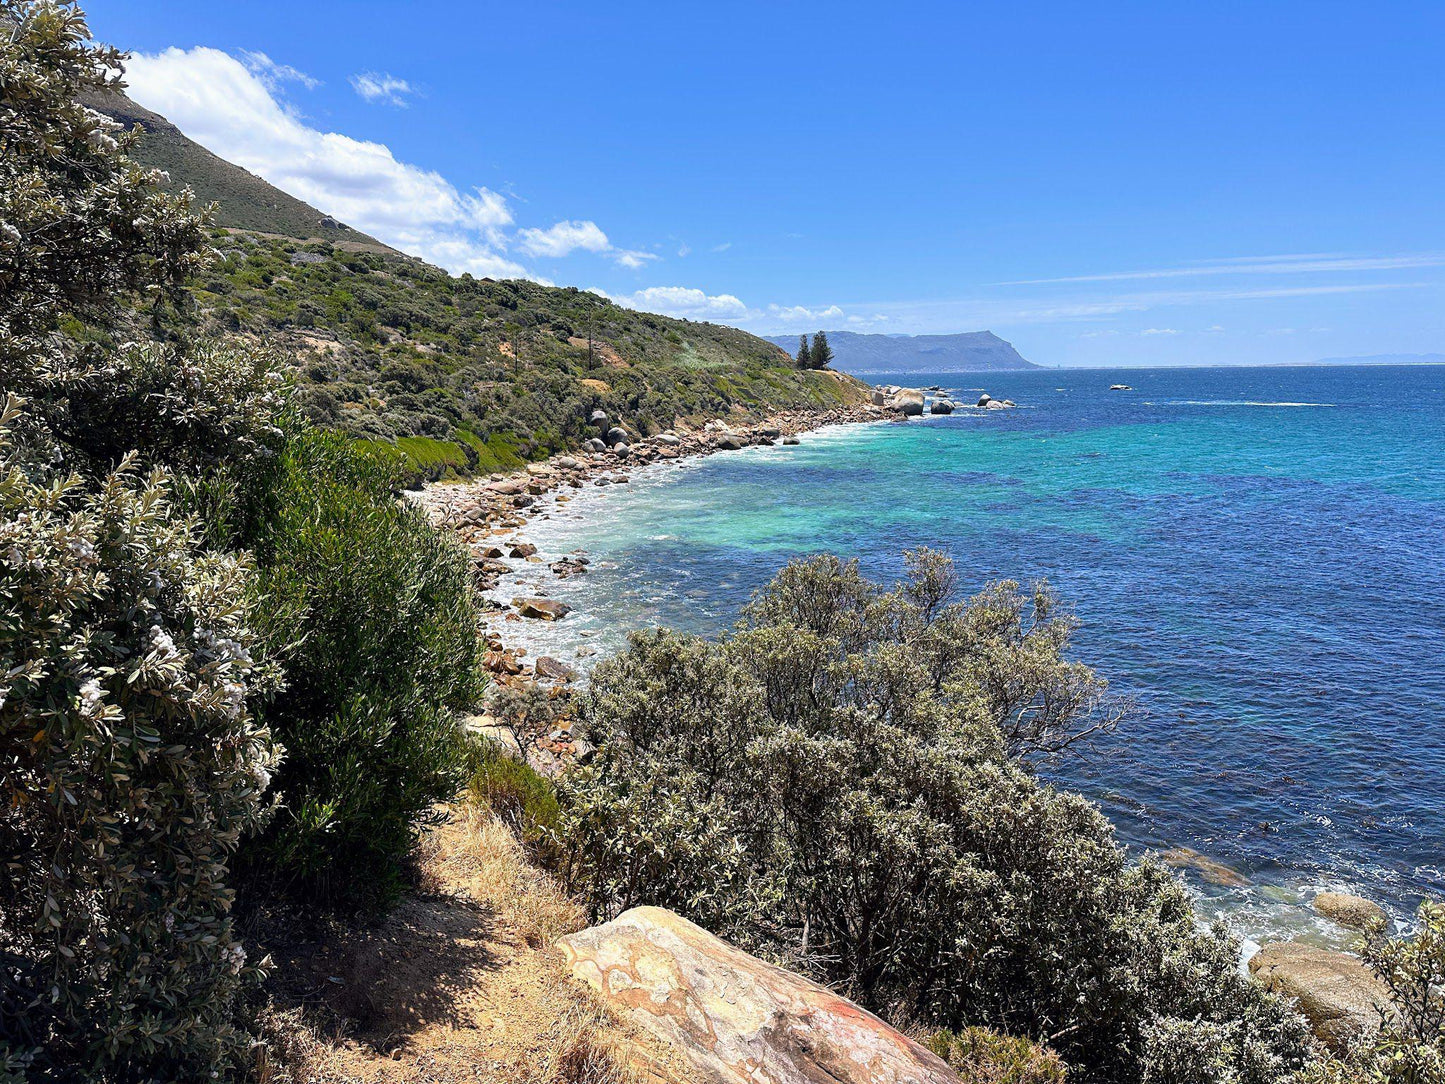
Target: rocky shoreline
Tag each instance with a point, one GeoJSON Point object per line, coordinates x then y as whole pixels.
{"type": "Point", "coordinates": [489, 514]}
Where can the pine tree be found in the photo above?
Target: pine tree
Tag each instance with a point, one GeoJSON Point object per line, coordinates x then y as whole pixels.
{"type": "Point", "coordinates": [821, 353]}
{"type": "Point", "coordinates": [805, 353]}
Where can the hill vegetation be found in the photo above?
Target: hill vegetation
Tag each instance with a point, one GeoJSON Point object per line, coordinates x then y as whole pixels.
{"type": "Point", "coordinates": [463, 375]}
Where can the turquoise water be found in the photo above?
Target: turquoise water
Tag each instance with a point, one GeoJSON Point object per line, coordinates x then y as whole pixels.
{"type": "Point", "coordinates": [1254, 553]}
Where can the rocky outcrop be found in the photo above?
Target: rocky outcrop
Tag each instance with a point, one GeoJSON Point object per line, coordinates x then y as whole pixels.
{"type": "Point", "coordinates": [941, 406]}
{"type": "Point", "coordinates": [735, 1018]}
{"type": "Point", "coordinates": [1356, 912]}
{"type": "Point", "coordinates": [1339, 994]}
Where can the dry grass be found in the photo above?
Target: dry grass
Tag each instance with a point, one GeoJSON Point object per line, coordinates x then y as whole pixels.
{"type": "Point", "coordinates": [460, 983]}
{"type": "Point", "coordinates": [477, 855]}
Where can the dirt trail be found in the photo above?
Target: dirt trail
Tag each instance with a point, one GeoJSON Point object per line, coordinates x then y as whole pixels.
{"type": "Point", "coordinates": [460, 983]}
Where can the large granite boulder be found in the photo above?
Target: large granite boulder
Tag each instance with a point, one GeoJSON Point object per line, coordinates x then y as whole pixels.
{"type": "Point", "coordinates": [735, 1018]}
{"type": "Point", "coordinates": [908, 401]}
{"type": "Point", "coordinates": [1339, 994]}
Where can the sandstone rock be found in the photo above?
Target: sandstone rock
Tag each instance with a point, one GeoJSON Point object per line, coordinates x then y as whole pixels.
{"type": "Point", "coordinates": [1339, 994]}
{"type": "Point", "coordinates": [1349, 910]}
{"type": "Point", "coordinates": [542, 609]}
{"type": "Point", "coordinates": [735, 1018]}
{"type": "Point", "coordinates": [522, 549]}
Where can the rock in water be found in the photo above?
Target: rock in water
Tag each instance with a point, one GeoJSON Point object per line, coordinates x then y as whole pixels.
{"type": "Point", "coordinates": [1349, 910]}
{"type": "Point", "coordinates": [542, 609]}
{"type": "Point", "coordinates": [735, 1018]}
{"type": "Point", "coordinates": [941, 406]}
{"type": "Point", "coordinates": [1339, 994]}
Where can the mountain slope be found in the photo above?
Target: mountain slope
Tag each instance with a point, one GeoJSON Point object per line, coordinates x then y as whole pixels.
{"type": "Point", "coordinates": [970, 351]}
{"type": "Point", "coordinates": [245, 201]}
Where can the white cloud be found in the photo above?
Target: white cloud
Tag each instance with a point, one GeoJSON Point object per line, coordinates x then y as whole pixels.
{"type": "Point", "coordinates": [801, 314]}
{"type": "Point", "coordinates": [1160, 331]}
{"type": "Point", "coordinates": [382, 87]}
{"type": "Point", "coordinates": [273, 75]}
{"type": "Point", "coordinates": [722, 247]}
{"type": "Point", "coordinates": [1257, 265]}
{"type": "Point", "coordinates": [632, 258]}
{"type": "Point", "coordinates": [563, 238]}
{"type": "Point", "coordinates": [685, 301]}
{"type": "Point", "coordinates": [224, 105]}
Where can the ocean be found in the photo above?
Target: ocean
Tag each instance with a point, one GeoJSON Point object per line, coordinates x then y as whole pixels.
{"type": "Point", "coordinates": [1254, 553]}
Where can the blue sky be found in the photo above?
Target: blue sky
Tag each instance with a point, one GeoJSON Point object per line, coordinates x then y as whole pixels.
{"type": "Point", "coordinates": [1109, 183]}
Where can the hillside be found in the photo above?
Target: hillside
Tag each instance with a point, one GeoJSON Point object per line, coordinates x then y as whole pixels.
{"type": "Point", "coordinates": [457, 375]}
{"type": "Point", "coordinates": [244, 200]}
{"type": "Point", "coordinates": [969, 351]}
{"type": "Point", "coordinates": [465, 375]}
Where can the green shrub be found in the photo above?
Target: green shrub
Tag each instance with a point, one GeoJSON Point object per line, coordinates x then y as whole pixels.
{"type": "Point", "coordinates": [837, 783]}
{"type": "Point", "coordinates": [373, 617]}
{"type": "Point", "coordinates": [517, 793]}
{"type": "Point", "coordinates": [130, 766]}
{"type": "Point", "coordinates": [980, 1056]}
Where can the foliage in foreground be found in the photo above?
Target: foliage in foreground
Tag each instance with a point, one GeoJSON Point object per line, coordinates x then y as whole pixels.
{"type": "Point", "coordinates": [138, 659]}
{"type": "Point", "coordinates": [837, 784]}
{"type": "Point", "coordinates": [130, 766]}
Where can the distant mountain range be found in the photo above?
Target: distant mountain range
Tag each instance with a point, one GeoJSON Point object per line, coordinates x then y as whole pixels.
{"type": "Point", "coordinates": [246, 202]}
{"type": "Point", "coordinates": [966, 352]}
{"type": "Point", "coordinates": [1386, 359]}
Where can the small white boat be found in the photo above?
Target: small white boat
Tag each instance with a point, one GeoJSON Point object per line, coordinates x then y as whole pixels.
{"type": "Point", "coordinates": [1120, 387]}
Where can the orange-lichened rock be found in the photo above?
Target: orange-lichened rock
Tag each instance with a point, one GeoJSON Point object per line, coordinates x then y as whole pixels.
{"type": "Point", "coordinates": [736, 1019]}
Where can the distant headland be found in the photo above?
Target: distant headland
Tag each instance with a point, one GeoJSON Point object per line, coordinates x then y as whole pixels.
{"type": "Point", "coordinates": [966, 352]}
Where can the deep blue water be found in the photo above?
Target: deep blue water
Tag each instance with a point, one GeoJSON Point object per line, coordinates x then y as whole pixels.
{"type": "Point", "coordinates": [1255, 553]}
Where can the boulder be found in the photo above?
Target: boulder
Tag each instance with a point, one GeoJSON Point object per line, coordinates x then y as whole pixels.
{"type": "Point", "coordinates": [880, 397]}
{"type": "Point", "coordinates": [594, 445]}
{"type": "Point", "coordinates": [729, 442]}
{"type": "Point", "coordinates": [667, 438]}
{"type": "Point", "coordinates": [790, 440]}
{"type": "Point", "coordinates": [616, 435]}
{"type": "Point", "coordinates": [984, 399]}
{"type": "Point", "coordinates": [1210, 869]}
{"type": "Point", "coordinates": [940, 406]}
{"type": "Point", "coordinates": [522, 549]}
{"type": "Point", "coordinates": [622, 449]}
{"type": "Point", "coordinates": [1339, 994]}
{"type": "Point", "coordinates": [598, 416]}
{"type": "Point", "coordinates": [994, 404]}
{"type": "Point", "coordinates": [542, 609]}
{"type": "Point", "coordinates": [909, 401]}
{"type": "Point", "coordinates": [1356, 912]}
{"type": "Point", "coordinates": [736, 1019]}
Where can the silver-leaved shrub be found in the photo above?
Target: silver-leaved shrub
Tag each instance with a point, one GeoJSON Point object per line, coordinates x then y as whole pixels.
{"type": "Point", "coordinates": [130, 767]}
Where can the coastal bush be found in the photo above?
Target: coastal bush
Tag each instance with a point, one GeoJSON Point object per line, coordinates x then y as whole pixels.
{"type": "Point", "coordinates": [372, 615]}
{"type": "Point", "coordinates": [838, 783]}
{"type": "Point", "coordinates": [517, 793]}
{"type": "Point", "coordinates": [130, 766]}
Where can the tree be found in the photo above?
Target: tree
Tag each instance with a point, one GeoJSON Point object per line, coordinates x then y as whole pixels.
{"type": "Point", "coordinates": [805, 353]}
{"type": "Point", "coordinates": [837, 784]}
{"type": "Point", "coordinates": [822, 353]}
